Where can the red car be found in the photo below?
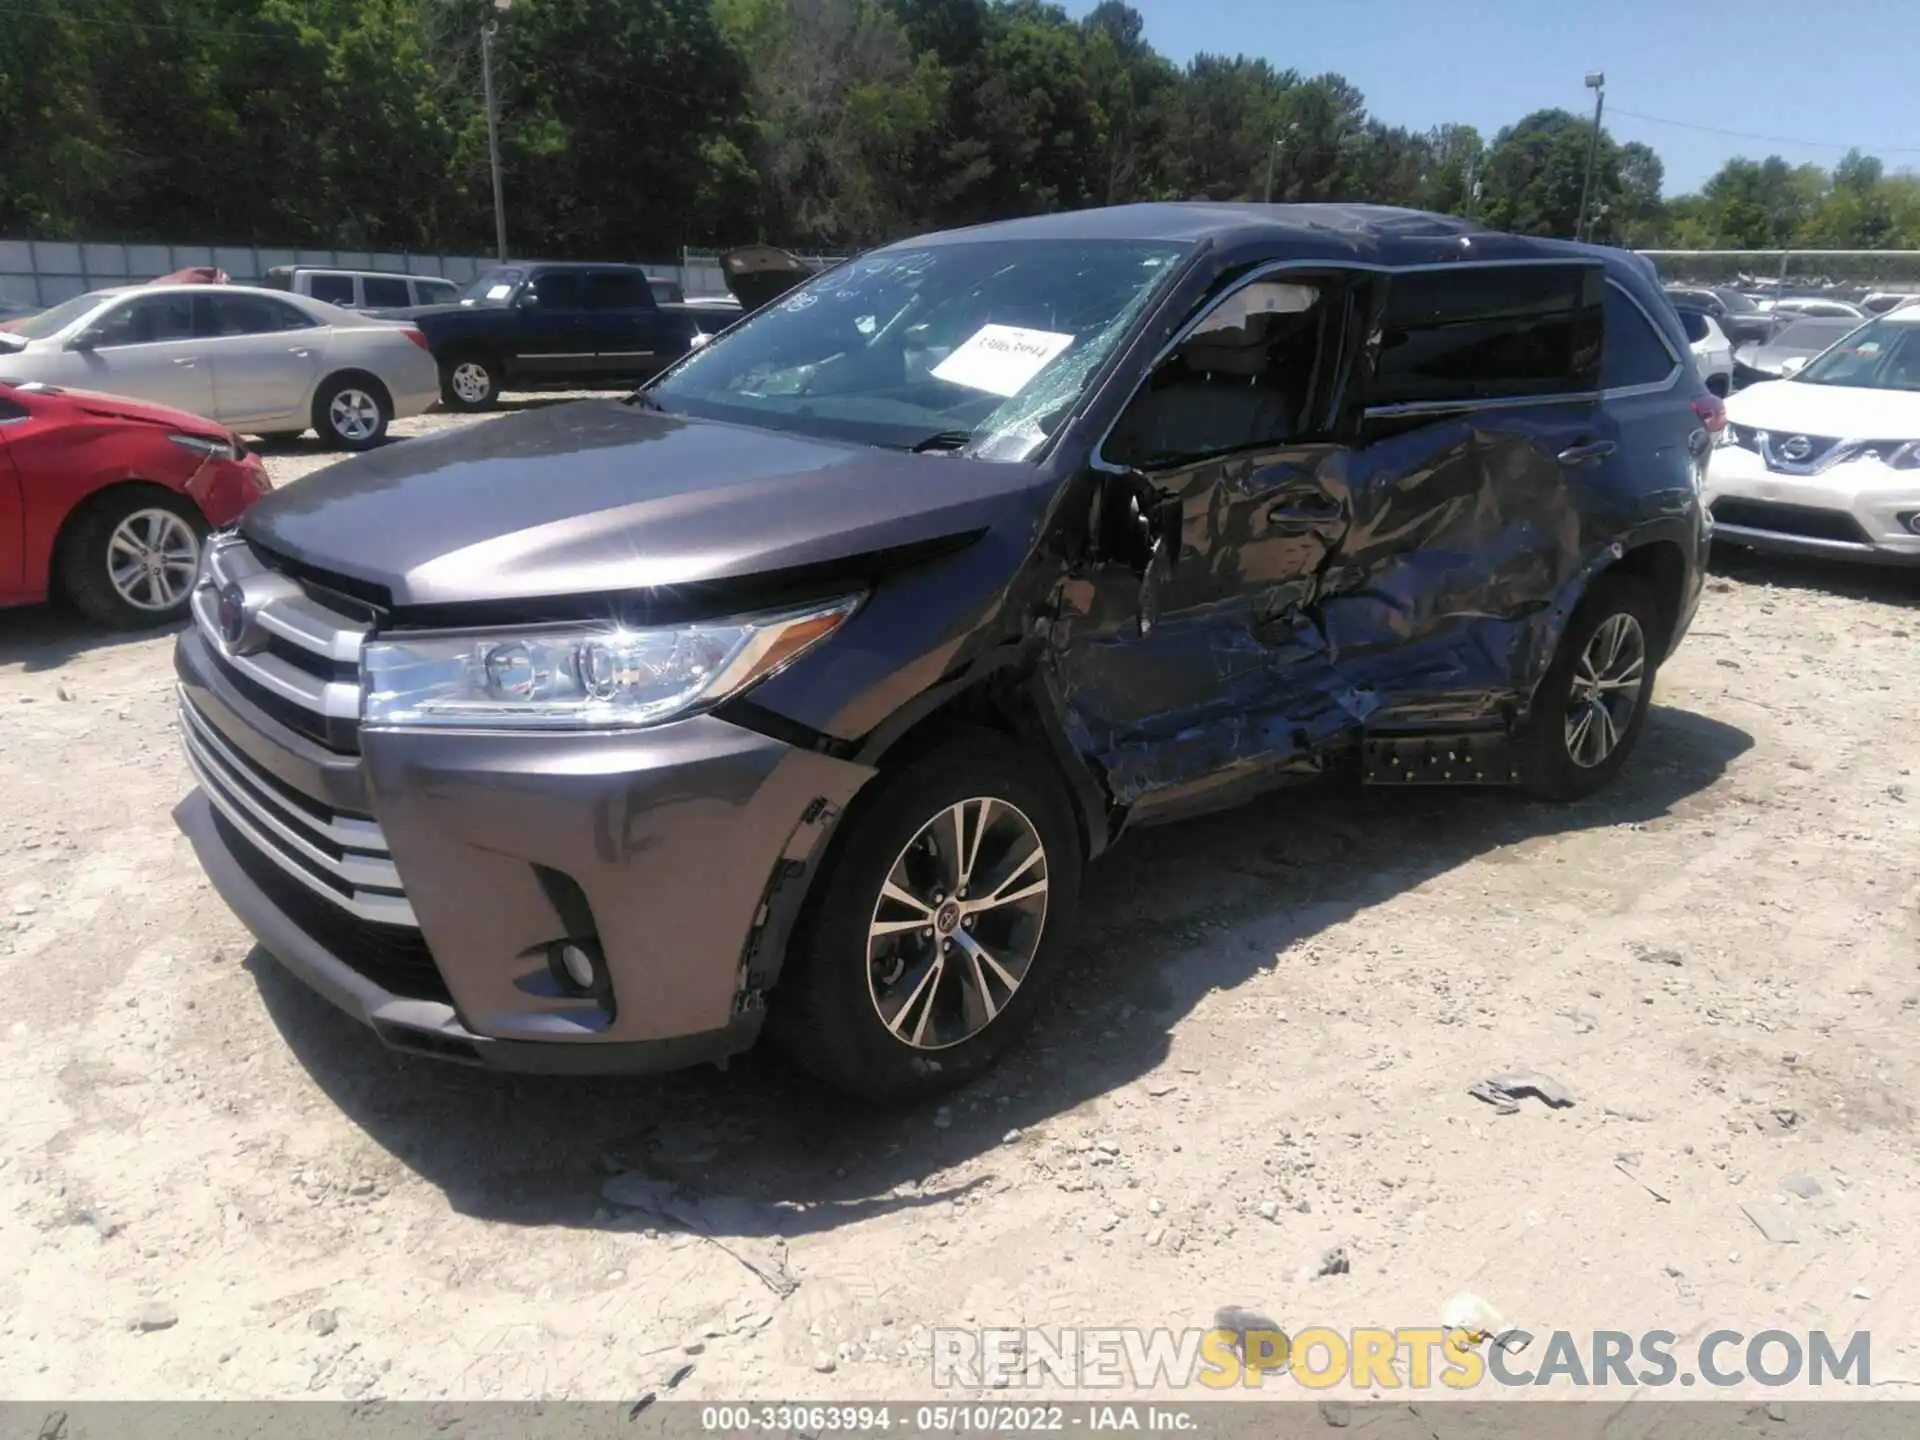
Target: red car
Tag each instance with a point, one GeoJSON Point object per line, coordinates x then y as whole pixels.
{"type": "Point", "coordinates": [104, 500]}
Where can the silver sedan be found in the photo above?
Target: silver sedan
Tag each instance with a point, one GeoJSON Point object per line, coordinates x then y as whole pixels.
{"type": "Point", "coordinates": [257, 361]}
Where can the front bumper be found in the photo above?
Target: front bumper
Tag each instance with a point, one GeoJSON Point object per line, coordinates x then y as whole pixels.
{"type": "Point", "coordinates": [1858, 510]}
{"type": "Point", "coordinates": [656, 848]}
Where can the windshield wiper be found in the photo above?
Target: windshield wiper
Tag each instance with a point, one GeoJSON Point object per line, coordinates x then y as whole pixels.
{"type": "Point", "coordinates": [943, 442]}
{"type": "Point", "coordinates": [644, 401]}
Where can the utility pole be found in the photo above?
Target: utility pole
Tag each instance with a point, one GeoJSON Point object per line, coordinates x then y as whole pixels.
{"type": "Point", "coordinates": [1473, 185]}
{"type": "Point", "coordinates": [1596, 82]}
{"type": "Point", "coordinates": [1273, 149]}
{"type": "Point", "coordinates": [487, 32]}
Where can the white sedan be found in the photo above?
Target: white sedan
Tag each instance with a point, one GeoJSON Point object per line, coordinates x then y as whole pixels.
{"type": "Point", "coordinates": [257, 361]}
{"type": "Point", "coordinates": [1828, 461]}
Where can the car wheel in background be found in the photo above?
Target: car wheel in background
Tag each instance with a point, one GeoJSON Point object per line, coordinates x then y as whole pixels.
{"type": "Point", "coordinates": [1589, 710]}
{"type": "Point", "coordinates": [470, 382]}
{"type": "Point", "coordinates": [130, 558]}
{"type": "Point", "coordinates": [352, 411]}
{"type": "Point", "coordinates": [939, 920]}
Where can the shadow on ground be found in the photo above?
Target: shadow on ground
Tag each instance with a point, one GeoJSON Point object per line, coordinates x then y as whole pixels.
{"type": "Point", "coordinates": [1248, 883]}
{"type": "Point", "coordinates": [1881, 584]}
{"type": "Point", "coordinates": [38, 638]}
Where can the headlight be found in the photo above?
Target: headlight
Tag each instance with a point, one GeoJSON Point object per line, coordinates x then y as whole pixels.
{"type": "Point", "coordinates": [583, 677]}
{"type": "Point", "coordinates": [207, 445]}
{"type": "Point", "coordinates": [1900, 454]}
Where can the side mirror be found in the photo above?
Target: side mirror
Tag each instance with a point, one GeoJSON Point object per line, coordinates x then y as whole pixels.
{"type": "Point", "coordinates": [525, 300]}
{"type": "Point", "coordinates": [86, 340]}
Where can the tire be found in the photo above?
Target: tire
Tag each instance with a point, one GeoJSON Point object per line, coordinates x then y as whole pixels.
{"type": "Point", "coordinates": [470, 382]}
{"type": "Point", "coordinates": [826, 1007]}
{"type": "Point", "coordinates": [352, 412]}
{"type": "Point", "coordinates": [1557, 757]}
{"type": "Point", "coordinates": [104, 539]}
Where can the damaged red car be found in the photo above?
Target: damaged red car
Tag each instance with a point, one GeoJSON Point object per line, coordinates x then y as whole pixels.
{"type": "Point", "coordinates": [104, 501]}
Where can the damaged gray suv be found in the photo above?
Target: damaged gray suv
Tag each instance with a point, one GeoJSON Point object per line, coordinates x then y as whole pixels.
{"type": "Point", "coordinates": [796, 690]}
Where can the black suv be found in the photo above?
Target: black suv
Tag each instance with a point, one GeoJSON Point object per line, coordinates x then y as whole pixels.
{"type": "Point", "coordinates": [800, 686]}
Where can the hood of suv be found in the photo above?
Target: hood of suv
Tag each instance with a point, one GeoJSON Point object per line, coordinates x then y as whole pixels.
{"type": "Point", "coordinates": [1840, 412]}
{"type": "Point", "coordinates": [604, 497]}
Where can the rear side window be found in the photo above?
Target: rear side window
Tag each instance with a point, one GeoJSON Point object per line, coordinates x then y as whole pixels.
{"type": "Point", "coordinates": [615, 290]}
{"type": "Point", "coordinates": [386, 290]}
{"type": "Point", "coordinates": [437, 292]}
{"type": "Point", "coordinates": [1695, 324]}
{"type": "Point", "coordinates": [1635, 353]}
{"type": "Point", "coordinates": [249, 315]}
{"type": "Point", "coordinates": [279, 278]}
{"type": "Point", "coordinates": [1489, 333]}
{"type": "Point", "coordinates": [334, 289]}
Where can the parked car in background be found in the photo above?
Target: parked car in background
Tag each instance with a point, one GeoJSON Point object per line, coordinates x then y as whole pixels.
{"type": "Point", "coordinates": [799, 686]}
{"type": "Point", "coordinates": [1881, 301]}
{"type": "Point", "coordinates": [571, 324]}
{"type": "Point", "coordinates": [1813, 307]}
{"type": "Point", "coordinates": [670, 292]}
{"type": "Point", "coordinates": [1789, 348]}
{"type": "Point", "coordinates": [105, 500]}
{"type": "Point", "coordinates": [362, 289]}
{"type": "Point", "coordinates": [1712, 351]}
{"type": "Point", "coordinates": [258, 361]}
{"type": "Point", "coordinates": [1739, 316]}
{"type": "Point", "coordinates": [1827, 462]}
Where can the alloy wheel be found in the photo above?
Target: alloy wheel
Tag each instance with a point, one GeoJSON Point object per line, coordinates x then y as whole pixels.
{"type": "Point", "coordinates": [471, 382]}
{"type": "Point", "coordinates": [152, 558]}
{"type": "Point", "coordinates": [1606, 688]}
{"type": "Point", "coordinates": [354, 415]}
{"type": "Point", "coordinates": [957, 924]}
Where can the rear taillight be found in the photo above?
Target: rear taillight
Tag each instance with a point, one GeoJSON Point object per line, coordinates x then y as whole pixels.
{"type": "Point", "coordinates": [1712, 412]}
{"type": "Point", "coordinates": [418, 337]}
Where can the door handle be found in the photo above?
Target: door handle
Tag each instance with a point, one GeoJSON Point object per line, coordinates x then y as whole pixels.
{"type": "Point", "coordinates": [1304, 510]}
{"type": "Point", "coordinates": [186, 360]}
{"type": "Point", "coordinates": [1585, 451]}
{"type": "Point", "coordinates": [300, 351]}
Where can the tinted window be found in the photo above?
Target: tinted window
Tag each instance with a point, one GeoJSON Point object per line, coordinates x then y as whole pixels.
{"type": "Point", "coordinates": [1635, 354]}
{"type": "Point", "coordinates": [1695, 325]}
{"type": "Point", "coordinates": [147, 321]}
{"type": "Point", "coordinates": [1736, 303]}
{"type": "Point", "coordinates": [386, 290]}
{"type": "Point", "coordinates": [1489, 334]}
{"type": "Point", "coordinates": [279, 278]}
{"type": "Point", "coordinates": [12, 410]}
{"type": "Point", "coordinates": [615, 290]}
{"type": "Point", "coordinates": [667, 292]}
{"type": "Point", "coordinates": [557, 290]}
{"type": "Point", "coordinates": [437, 292]}
{"type": "Point", "coordinates": [334, 289]}
{"type": "Point", "coordinates": [251, 315]}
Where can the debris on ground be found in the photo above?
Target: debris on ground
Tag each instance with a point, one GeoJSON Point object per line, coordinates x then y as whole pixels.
{"type": "Point", "coordinates": [323, 1322]}
{"type": "Point", "coordinates": [1505, 1092]}
{"type": "Point", "coordinates": [1478, 1321]}
{"type": "Point", "coordinates": [745, 1229]}
{"type": "Point", "coordinates": [1245, 1324]}
{"type": "Point", "coordinates": [1624, 1165]}
{"type": "Point", "coordinates": [1772, 1222]}
{"type": "Point", "coordinates": [1331, 1261]}
{"type": "Point", "coordinates": [1805, 1186]}
{"type": "Point", "coordinates": [154, 1316]}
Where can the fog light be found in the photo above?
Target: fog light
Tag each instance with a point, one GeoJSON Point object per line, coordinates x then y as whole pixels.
{"type": "Point", "coordinates": [577, 966]}
{"type": "Point", "coordinates": [1912, 521]}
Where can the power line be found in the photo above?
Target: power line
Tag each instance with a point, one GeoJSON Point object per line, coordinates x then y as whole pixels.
{"type": "Point", "coordinates": [1769, 139]}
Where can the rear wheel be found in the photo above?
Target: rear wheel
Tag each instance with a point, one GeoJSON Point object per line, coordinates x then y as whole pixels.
{"type": "Point", "coordinates": [352, 412]}
{"type": "Point", "coordinates": [470, 382]}
{"type": "Point", "coordinates": [1589, 710]}
{"type": "Point", "coordinates": [130, 560]}
{"type": "Point", "coordinates": [937, 925]}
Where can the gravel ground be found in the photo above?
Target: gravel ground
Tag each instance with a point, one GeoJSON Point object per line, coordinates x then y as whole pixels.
{"type": "Point", "coordinates": [214, 1186]}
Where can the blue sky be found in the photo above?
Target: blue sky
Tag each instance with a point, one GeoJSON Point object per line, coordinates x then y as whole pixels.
{"type": "Point", "coordinates": [1845, 71]}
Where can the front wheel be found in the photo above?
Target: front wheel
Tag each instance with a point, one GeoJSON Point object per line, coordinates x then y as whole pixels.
{"type": "Point", "coordinates": [1589, 710]}
{"type": "Point", "coordinates": [936, 926]}
{"type": "Point", "coordinates": [130, 560]}
{"type": "Point", "coordinates": [470, 382]}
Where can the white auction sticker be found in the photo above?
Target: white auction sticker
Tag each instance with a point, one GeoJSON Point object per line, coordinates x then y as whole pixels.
{"type": "Point", "coordinates": [1001, 359]}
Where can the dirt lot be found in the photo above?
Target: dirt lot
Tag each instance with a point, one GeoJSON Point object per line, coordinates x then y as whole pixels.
{"type": "Point", "coordinates": [212, 1185]}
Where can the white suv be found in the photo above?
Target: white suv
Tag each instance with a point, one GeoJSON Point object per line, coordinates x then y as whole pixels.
{"type": "Point", "coordinates": [363, 289]}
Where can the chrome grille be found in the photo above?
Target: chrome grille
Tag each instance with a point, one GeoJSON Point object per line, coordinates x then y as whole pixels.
{"type": "Point", "coordinates": [297, 659]}
{"type": "Point", "coordinates": [343, 858]}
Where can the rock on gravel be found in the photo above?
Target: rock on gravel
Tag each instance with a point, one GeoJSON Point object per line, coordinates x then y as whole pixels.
{"type": "Point", "coordinates": [154, 1316]}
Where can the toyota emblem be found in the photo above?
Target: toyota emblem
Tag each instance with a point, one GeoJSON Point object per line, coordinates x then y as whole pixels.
{"type": "Point", "coordinates": [1796, 448]}
{"type": "Point", "coordinates": [233, 617]}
